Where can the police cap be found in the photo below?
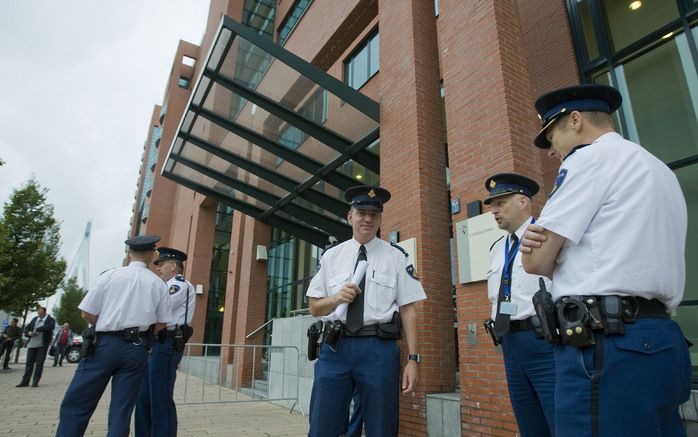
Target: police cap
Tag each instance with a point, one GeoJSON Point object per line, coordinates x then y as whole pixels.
{"type": "Point", "coordinates": [367, 197]}
{"type": "Point", "coordinates": [588, 97]}
{"type": "Point", "coordinates": [509, 183]}
{"type": "Point", "coordinates": [142, 242]}
{"type": "Point", "coordinates": [169, 254]}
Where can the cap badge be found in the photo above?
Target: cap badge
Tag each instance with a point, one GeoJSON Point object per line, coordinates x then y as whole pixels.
{"type": "Point", "coordinates": [371, 194]}
{"type": "Point", "coordinates": [493, 183]}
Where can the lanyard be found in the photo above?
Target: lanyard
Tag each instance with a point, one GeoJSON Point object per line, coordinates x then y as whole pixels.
{"type": "Point", "coordinates": [508, 262]}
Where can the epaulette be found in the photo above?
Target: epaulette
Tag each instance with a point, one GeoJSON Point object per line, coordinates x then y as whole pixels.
{"type": "Point", "coordinates": [180, 278]}
{"type": "Point", "coordinates": [495, 242]}
{"type": "Point", "coordinates": [398, 247]}
{"type": "Point", "coordinates": [106, 271]}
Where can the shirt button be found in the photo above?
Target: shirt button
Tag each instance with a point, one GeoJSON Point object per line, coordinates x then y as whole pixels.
{"type": "Point", "coordinates": [647, 346]}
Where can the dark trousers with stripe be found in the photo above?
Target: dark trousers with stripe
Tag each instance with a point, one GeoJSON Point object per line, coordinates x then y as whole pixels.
{"type": "Point", "coordinates": [625, 385]}
{"type": "Point", "coordinates": [122, 362]}
{"type": "Point", "coordinates": [530, 370]}
{"type": "Point", "coordinates": [369, 364]}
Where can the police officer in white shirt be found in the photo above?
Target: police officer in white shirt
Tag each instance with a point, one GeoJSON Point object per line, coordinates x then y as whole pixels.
{"type": "Point", "coordinates": [612, 237]}
{"type": "Point", "coordinates": [528, 360]}
{"type": "Point", "coordinates": [122, 304]}
{"type": "Point", "coordinates": [360, 348]}
{"type": "Point", "coordinates": [156, 412]}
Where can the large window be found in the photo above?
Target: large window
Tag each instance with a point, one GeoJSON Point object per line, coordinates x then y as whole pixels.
{"type": "Point", "coordinates": [291, 19]}
{"type": "Point", "coordinates": [647, 49]}
{"type": "Point", "coordinates": [219, 277]}
{"type": "Point", "coordinates": [363, 63]}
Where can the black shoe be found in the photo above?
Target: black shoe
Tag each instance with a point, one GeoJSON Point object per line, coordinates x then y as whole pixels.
{"type": "Point", "coordinates": [54, 365]}
{"type": "Point", "coordinates": [5, 368]}
{"type": "Point", "coordinates": [22, 385]}
{"type": "Point", "coordinates": [35, 384]}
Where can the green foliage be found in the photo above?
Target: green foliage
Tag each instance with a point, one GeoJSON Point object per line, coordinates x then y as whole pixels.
{"type": "Point", "coordinates": [67, 311]}
{"type": "Point", "coordinates": [30, 267]}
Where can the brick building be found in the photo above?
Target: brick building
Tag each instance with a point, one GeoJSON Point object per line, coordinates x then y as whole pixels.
{"type": "Point", "coordinates": [265, 123]}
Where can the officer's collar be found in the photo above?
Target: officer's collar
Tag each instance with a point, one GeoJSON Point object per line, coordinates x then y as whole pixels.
{"type": "Point", "coordinates": [368, 245]}
{"type": "Point", "coordinates": [519, 232]}
{"type": "Point", "coordinates": [138, 263]}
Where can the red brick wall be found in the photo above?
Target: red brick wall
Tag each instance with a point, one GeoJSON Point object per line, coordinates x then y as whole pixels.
{"type": "Point", "coordinates": [413, 163]}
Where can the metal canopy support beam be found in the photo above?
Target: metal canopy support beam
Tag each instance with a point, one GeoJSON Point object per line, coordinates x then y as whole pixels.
{"type": "Point", "coordinates": [309, 165]}
{"type": "Point", "coordinates": [324, 201]}
{"type": "Point", "coordinates": [354, 98]}
{"type": "Point", "coordinates": [335, 141]}
{"type": "Point", "coordinates": [312, 235]}
{"type": "Point", "coordinates": [332, 227]}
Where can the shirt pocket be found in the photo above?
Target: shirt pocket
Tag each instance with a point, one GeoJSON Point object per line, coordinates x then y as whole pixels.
{"type": "Point", "coordinates": [381, 293]}
{"type": "Point", "coordinates": [335, 284]}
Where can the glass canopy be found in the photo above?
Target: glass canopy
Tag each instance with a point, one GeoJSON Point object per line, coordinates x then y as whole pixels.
{"type": "Point", "coordinates": [275, 137]}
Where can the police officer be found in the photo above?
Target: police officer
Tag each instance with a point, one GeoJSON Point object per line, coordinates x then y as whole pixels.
{"type": "Point", "coordinates": [156, 413]}
{"type": "Point", "coordinates": [612, 237]}
{"type": "Point", "coordinates": [528, 360]}
{"type": "Point", "coordinates": [122, 304]}
{"type": "Point", "coordinates": [366, 355]}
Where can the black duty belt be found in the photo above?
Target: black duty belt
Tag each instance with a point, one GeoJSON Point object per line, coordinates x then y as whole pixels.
{"type": "Point", "coordinates": [365, 331]}
{"type": "Point", "coordinates": [633, 307]}
{"type": "Point", "coordinates": [521, 325]}
{"type": "Point", "coordinates": [120, 333]}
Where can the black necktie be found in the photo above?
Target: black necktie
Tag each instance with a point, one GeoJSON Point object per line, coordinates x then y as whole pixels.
{"type": "Point", "coordinates": [355, 312]}
{"type": "Point", "coordinates": [501, 321]}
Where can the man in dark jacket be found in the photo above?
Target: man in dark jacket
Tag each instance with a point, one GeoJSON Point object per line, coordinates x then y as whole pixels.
{"type": "Point", "coordinates": [9, 336]}
{"type": "Point", "coordinates": [40, 333]}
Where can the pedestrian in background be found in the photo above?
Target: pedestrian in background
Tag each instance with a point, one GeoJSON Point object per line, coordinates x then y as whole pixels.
{"type": "Point", "coordinates": [11, 334]}
{"type": "Point", "coordinates": [40, 333]}
{"type": "Point", "coordinates": [61, 341]}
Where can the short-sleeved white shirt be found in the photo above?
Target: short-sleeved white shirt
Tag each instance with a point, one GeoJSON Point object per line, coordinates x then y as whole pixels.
{"type": "Point", "coordinates": [389, 284]}
{"type": "Point", "coordinates": [179, 288]}
{"type": "Point", "coordinates": [127, 297]}
{"type": "Point", "coordinates": [523, 285]}
{"type": "Point", "coordinates": [624, 218]}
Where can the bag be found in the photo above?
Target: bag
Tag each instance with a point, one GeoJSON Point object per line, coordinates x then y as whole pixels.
{"type": "Point", "coordinates": [52, 351]}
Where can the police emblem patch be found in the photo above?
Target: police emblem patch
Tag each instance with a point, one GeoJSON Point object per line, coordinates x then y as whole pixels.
{"type": "Point", "coordinates": [174, 289]}
{"type": "Point", "coordinates": [558, 182]}
{"type": "Point", "coordinates": [412, 272]}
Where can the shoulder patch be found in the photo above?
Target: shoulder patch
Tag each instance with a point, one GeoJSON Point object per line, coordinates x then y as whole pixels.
{"type": "Point", "coordinates": [398, 247]}
{"type": "Point", "coordinates": [495, 242]}
{"type": "Point", "coordinates": [412, 272]}
{"type": "Point", "coordinates": [558, 182]}
{"type": "Point", "coordinates": [174, 288]}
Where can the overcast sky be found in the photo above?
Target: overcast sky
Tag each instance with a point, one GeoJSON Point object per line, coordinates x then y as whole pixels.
{"type": "Point", "coordinates": [77, 87]}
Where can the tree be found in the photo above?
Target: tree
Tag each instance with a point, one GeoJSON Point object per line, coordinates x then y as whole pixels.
{"type": "Point", "coordinates": [67, 311]}
{"type": "Point", "coordinates": [30, 267]}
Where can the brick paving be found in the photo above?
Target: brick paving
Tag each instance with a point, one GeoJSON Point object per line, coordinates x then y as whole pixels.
{"type": "Point", "coordinates": [33, 412]}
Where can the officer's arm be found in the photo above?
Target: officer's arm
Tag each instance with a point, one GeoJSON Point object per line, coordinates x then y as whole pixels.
{"type": "Point", "coordinates": [89, 318]}
{"type": "Point", "coordinates": [408, 317]}
{"type": "Point", "coordinates": [540, 248]}
{"type": "Point", "coordinates": [321, 306]}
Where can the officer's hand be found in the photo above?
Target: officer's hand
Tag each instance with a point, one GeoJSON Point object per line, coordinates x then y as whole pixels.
{"type": "Point", "coordinates": [347, 293]}
{"type": "Point", "coordinates": [410, 376]}
{"type": "Point", "coordinates": [532, 238]}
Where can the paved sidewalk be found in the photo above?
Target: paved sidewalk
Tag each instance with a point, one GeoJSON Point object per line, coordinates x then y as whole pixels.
{"type": "Point", "coordinates": [33, 412]}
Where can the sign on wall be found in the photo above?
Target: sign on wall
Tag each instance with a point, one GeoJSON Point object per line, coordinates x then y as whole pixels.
{"type": "Point", "coordinates": [474, 237]}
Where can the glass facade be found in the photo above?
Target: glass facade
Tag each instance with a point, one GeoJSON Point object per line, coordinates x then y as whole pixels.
{"type": "Point", "coordinates": [215, 305]}
{"type": "Point", "coordinates": [363, 63]}
{"type": "Point", "coordinates": [647, 49]}
{"type": "Point", "coordinates": [292, 18]}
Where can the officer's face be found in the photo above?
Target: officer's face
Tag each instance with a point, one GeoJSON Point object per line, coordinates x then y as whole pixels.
{"type": "Point", "coordinates": [364, 224]}
{"type": "Point", "coordinates": [167, 270]}
{"type": "Point", "coordinates": [510, 211]}
{"type": "Point", "coordinates": [562, 134]}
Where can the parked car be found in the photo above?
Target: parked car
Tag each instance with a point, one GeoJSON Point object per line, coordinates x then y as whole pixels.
{"type": "Point", "coordinates": [72, 353]}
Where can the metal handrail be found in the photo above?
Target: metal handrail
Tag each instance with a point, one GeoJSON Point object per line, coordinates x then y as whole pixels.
{"type": "Point", "coordinates": [260, 328]}
{"type": "Point", "coordinates": [300, 312]}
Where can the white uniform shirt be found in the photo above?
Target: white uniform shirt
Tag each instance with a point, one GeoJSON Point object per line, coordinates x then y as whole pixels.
{"type": "Point", "coordinates": [523, 285]}
{"type": "Point", "coordinates": [624, 218]}
{"type": "Point", "coordinates": [388, 283]}
{"type": "Point", "coordinates": [127, 297]}
{"type": "Point", "coordinates": [179, 289]}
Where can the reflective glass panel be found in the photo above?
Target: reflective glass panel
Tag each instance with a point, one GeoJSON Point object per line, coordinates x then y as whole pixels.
{"type": "Point", "coordinates": [588, 29]}
{"type": "Point", "coordinates": [628, 21]}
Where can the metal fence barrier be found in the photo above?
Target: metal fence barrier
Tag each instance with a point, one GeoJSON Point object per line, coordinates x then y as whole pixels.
{"type": "Point", "coordinates": [209, 378]}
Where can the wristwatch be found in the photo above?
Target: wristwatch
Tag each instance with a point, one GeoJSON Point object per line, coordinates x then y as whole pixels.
{"type": "Point", "coordinates": [414, 357]}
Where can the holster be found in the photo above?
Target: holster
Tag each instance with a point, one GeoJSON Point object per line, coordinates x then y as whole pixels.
{"type": "Point", "coordinates": [88, 341]}
{"type": "Point", "coordinates": [575, 325]}
{"type": "Point", "coordinates": [489, 327]}
{"type": "Point", "coordinates": [391, 330]}
{"type": "Point", "coordinates": [179, 341]}
{"type": "Point", "coordinates": [545, 310]}
{"type": "Point", "coordinates": [314, 342]}
{"type": "Point", "coordinates": [150, 337]}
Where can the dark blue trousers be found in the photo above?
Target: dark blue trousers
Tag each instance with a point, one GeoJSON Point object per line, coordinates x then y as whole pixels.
{"type": "Point", "coordinates": [369, 364]}
{"type": "Point", "coordinates": [122, 362]}
{"type": "Point", "coordinates": [35, 364]}
{"type": "Point", "coordinates": [629, 385]}
{"type": "Point", "coordinates": [530, 370]}
{"type": "Point", "coordinates": [356, 420]}
{"type": "Point", "coordinates": [156, 412]}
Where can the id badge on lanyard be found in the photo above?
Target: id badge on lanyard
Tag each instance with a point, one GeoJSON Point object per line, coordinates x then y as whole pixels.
{"type": "Point", "coordinates": [506, 307]}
